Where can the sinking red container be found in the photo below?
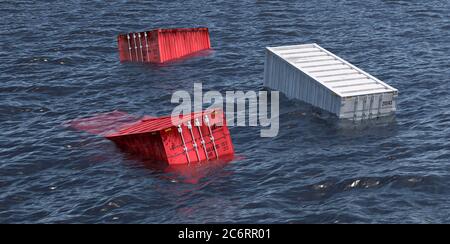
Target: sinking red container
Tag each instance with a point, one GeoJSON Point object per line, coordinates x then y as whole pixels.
{"type": "Point", "coordinates": [162, 45]}
{"type": "Point", "coordinates": [199, 137]}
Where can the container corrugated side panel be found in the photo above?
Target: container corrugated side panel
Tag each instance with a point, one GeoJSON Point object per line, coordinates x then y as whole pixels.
{"type": "Point", "coordinates": [177, 43]}
{"type": "Point", "coordinates": [282, 76]}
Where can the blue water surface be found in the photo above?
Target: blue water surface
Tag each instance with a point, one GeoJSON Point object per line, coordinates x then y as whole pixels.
{"type": "Point", "coordinates": [59, 61]}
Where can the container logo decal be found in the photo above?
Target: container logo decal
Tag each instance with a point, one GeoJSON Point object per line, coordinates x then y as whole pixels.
{"type": "Point", "coordinates": [243, 108]}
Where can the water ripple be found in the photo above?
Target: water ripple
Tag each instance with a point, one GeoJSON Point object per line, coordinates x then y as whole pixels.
{"type": "Point", "coordinates": [59, 62]}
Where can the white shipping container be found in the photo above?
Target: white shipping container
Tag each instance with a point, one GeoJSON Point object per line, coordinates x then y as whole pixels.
{"type": "Point", "coordinates": [316, 76]}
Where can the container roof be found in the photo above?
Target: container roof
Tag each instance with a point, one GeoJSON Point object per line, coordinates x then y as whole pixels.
{"type": "Point", "coordinates": [148, 125]}
{"type": "Point", "coordinates": [336, 74]}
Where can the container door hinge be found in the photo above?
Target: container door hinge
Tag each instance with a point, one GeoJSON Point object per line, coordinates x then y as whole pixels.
{"type": "Point", "coordinates": [371, 106]}
{"type": "Point", "coordinates": [355, 111]}
{"type": "Point", "coordinates": [380, 101]}
{"type": "Point", "coordinates": [363, 113]}
{"type": "Point", "coordinates": [140, 46]}
{"type": "Point", "coordinates": [146, 45]}
{"type": "Point", "coordinates": [211, 136]}
{"type": "Point", "coordinates": [135, 46]}
{"type": "Point", "coordinates": [129, 47]}
{"type": "Point", "coordinates": [197, 124]}
{"type": "Point", "coordinates": [180, 130]}
{"type": "Point", "coordinates": [194, 144]}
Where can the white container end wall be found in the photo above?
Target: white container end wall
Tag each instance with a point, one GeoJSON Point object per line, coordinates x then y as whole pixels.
{"type": "Point", "coordinates": [314, 75]}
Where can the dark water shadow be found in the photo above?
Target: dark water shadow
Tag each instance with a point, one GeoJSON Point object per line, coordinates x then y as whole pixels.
{"type": "Point", "coordinates": [315, 119]}
{"type": "Point", "coordinates": [193, 173]}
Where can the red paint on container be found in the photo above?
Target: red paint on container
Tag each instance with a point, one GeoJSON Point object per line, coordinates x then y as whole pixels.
{"type": "Point", "coordinates": [162, 45]}
{"type": "Point", "coordinates": [103, 123]}
{"type": "Point", "coordinates": [199, 137]}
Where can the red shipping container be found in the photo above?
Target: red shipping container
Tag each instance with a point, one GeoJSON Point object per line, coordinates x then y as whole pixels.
{"type": "Point", "coordinates": [199, 137]}
{"type": "Point", "coordinates": [162, 45]}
